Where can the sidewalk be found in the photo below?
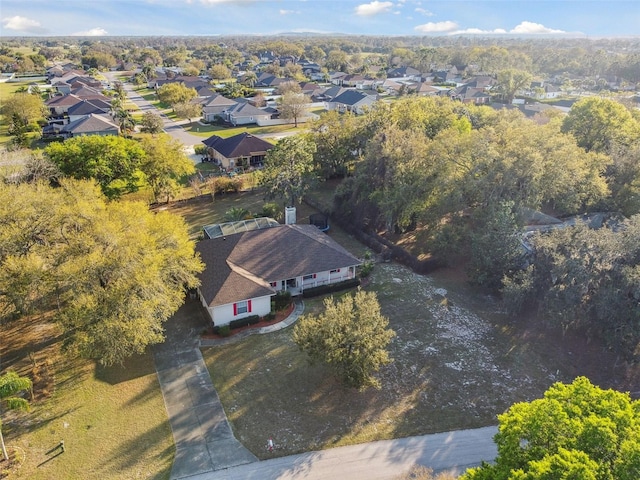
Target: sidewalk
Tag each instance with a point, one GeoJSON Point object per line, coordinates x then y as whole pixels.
{"type": "Point", "coordinates": [383, 460]}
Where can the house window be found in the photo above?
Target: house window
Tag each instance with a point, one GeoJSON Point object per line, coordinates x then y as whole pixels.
{"type": "Point", "coordinates": [335, 271]}
{"type": "Point", "coordinates": [309, 277]}
{"type": "Point", "coordinates": [274, 284]}
{"type": "Point", "coordinates": [242, 307]}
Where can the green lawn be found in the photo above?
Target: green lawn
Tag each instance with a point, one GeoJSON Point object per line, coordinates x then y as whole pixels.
{"type": "Point", "coordinates": [112, 420]}
{"type": "Point", "coordinates": [196, 128]}
{"type": "Point", "coordinates": [6, 89]}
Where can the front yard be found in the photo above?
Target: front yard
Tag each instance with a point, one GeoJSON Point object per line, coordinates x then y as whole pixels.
{"type": "Point", "coordinates": [112, 420]}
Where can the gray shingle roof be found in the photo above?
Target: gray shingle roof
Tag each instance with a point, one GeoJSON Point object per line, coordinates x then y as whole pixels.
{"type": "Point", "coordinates": [352, 97]}
{"type": "Point", "coordinates": [90, 124]}
{"type": "Point", "coordinates": [241, 145]}
{"type": "Point", "coordinates": [269, 255]}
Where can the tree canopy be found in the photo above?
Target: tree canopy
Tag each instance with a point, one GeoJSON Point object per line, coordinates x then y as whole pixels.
{"type": "Point", "coordinates": [289, 170]}
{"type": "Point", "coordinates": [27, 107]}
{"type": "Point", "coordinates": [599, 124]}
{"type": "Point", "coordinates": [164, 164]}
{"type": "Point", "coordinates": [351, 336]}
{"type": "Point", "coordinates": [576, 431]}
{"type": "Point", "coordinates": [112, 272]}
{"type": "Point", "coordinates": [173, 93]}
{"type": "Point", "coordinates": [110, 160]}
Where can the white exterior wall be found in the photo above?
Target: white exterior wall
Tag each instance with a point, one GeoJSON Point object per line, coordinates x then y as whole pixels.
{"type": "Point", "coordinates": [321, 278]}
{"type": "Point", "coordinates": [223, 314]}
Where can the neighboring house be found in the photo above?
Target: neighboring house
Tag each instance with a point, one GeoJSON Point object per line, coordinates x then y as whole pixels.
{"type": "Point", "coordinates": [214, 106]}
{"type": "Point", "coordinates": [406, 73]}
{"type": "Point", "coordinates": [423, 89]}
{"type": "Point", "coordinates": [243, 113]}
{"type": "Point", "coordinates": [90, 125]}
{"type": "Point", "coordinates": [243, 149]}
{"type": "Point", "coordinates": [244, 270]}
{"type": "Point", "coordinates": [60, 104]}
{"type": "Point", "coordinates": [353, 101]}
{"type": "Point", "coordinates": [84, 108]}
{"type": "Point", "coordinates": [468, 94]}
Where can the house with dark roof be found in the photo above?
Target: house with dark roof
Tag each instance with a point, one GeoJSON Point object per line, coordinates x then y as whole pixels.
{"type": "Point", "coordinates": [244, 270]}
{"type": "Point", "coordinates": [87, 107]}
{"type": "Point", "coordinates": [353, 101]}
{"type": "Point", "coordinates": [90, 125]}
{"type": "Point", "coordinates": [244, 150]}
{"type": "Point", "coordinates": [407, 73]}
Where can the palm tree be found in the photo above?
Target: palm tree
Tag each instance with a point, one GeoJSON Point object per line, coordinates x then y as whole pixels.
{"type": "Point", "coordinates": [10, 384]}
{"type": "Point", "coordinates": [250, 79]}
{"type": "Point", "coordinates": [236, 214]}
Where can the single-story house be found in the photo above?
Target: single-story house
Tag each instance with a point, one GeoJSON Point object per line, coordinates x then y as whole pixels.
{"type": "Point", "coordinates": [243, 113]}
{"type": "Point", "coordinates": [90, 125]}
{"type": "Point", "coordinates": [244, 270]}
{"type": "Point", "coordinates": [86, 107]}
{"type": "Point", "coordinates": [214, 106]}
{"type": "Point", "coordinates": [243, 149]}
{"type": "Point", "coordinates": [353, 101]}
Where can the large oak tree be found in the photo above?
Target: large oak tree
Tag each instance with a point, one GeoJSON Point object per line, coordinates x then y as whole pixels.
{"type": "Point", "coordinates": [112, 272]}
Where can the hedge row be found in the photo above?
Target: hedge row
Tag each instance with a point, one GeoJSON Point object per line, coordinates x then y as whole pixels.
{"type": "Point", "coordinates": [333, 287]}
{"type": "Point", "coordinates": [239, 323]}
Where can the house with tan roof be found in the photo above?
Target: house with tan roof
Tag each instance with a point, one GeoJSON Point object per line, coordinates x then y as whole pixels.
{"type": "Point", "coordinates": [244, 270]}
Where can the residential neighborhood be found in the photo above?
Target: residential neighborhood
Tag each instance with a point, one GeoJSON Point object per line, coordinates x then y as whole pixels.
{"type": "Point", "coordinates": [308, 255]}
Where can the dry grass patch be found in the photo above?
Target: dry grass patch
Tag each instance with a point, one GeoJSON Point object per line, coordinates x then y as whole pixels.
{"type": "Point", "coordinates": [451, 370]}
{"type": "Point", "coordinates": [112, 420]}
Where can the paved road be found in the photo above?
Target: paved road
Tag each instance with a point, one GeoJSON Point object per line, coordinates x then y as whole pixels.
{"type": "Point", "coordinates": [170, 126]}
{"type": "Point", "coordinates": [451, 451]}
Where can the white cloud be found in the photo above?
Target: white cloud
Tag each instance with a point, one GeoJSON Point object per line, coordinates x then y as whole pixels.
{"type": "Point", "coordinates": [373, 8]}
{"type": "Point", "coordinates": [524, 28]}
{"type": "Point", "coordinates": [288, 12]}
{"type": "Point", "coordinates": [478, 31]}
{"type": "Point", "coordinates": [94, 32]}
{"type": "Point", "coordinates": [533, 28]}
{"type": "Point", "coordinates": [213, 2]}
{"type": "Point", "coordinates": [437, 27]}
{"type": "Point", "coordinates": [23, 24]}
{"type": "Point", "coordinates": [424, 12]}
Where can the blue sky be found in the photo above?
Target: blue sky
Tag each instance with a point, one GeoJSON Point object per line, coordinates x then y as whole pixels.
{"type": "Point", "coordinates": [369, 17]}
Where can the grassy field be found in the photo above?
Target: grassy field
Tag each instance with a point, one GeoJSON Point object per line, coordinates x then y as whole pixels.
{"type": "Point", "coordinates": [112, 420]}
{"type": "Point", "coordinates": [196, 128]}
{"type": "Point", "coordinates": [7, 89]}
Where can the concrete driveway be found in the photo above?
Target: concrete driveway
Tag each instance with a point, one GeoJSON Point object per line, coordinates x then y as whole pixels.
{"type": "Point", "coordinates": [201, 432]}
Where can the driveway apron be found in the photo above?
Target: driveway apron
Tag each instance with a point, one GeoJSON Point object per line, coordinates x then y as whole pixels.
{"type": "Point", "coordinates": [201, 432]}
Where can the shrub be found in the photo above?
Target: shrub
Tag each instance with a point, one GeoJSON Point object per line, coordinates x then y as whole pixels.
{"type": "Point", "coordinates": [243, 322]}
{"type": "Point", "coordinates": [334, 287]}
{"type": "Point", "coordinates": [225, 330]}
{"type": "Point", "coordinates": [282, 300]}
{"type": "Point", "coordinates": [366, 268]}
{"type": "Point", "coordinates": [200, 149]}
{"type": "Point", "coordinates": [269, 316]}
{"type": "Point", "coordinates": [272, 210]}
{"type": "Point", "coordinates": [221, 185]}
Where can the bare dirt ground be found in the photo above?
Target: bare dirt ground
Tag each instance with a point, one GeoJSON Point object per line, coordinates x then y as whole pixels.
{"type": "Point", "coordinates": [459, 361]}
